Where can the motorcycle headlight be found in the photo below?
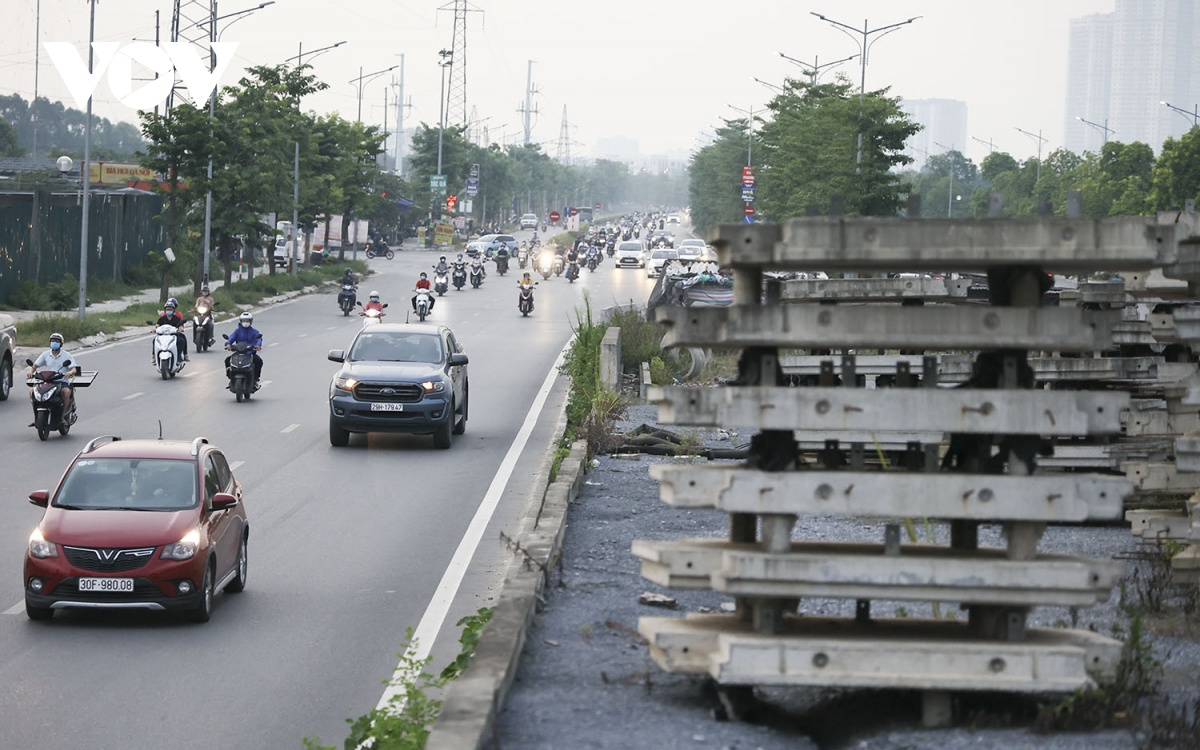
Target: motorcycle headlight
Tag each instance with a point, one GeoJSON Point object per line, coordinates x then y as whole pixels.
{"type": "Point", "coordinates": [202, 311]}
{"type": "Point", "coordinates": [39, 547]}
{"type": "Point", "coordinates": [433, 386]}
{"type": "Point", "coordinates": [343, 383]}
{"type": "Point", "coordinates": [184, 549]}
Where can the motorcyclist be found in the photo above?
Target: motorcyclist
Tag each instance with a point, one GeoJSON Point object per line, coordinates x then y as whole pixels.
{"type": "Point", "coordinates": [171, 317]}
{"type": "Point", "coordinates": [373, 302]}
{"type": "Point", "coordinates": [247, 333]}
{"type": "Point", "coordinates": [423, 283]}
{"type": "Point", "coordinates": [442, 268]}
{"type": "Point", "coordinates": [593, 251]}
{"type": "Point", "coordinates": [525, 283]}
{"type": "Point", "coordinates": [205, 299]}
{"type": "Point", "coordinates": [56, 358]}
{"type": "Point", "coordinates": [502, 257]}
{"type": "Point", "coordinates": [348, 278]}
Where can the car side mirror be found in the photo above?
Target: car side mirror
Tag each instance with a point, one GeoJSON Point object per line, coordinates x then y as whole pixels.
{"type": "Point", "coordinates": [223, 501]}
{"type": "Point", "coordinates": [457, 359]}
{"type": "Point", "coordinates": [40, 498]}
{"type": "Point", "coordinates": [337, 355]}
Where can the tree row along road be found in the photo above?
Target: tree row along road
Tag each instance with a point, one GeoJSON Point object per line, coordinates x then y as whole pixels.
{"type": "Point", "coordinates": [346, 548]}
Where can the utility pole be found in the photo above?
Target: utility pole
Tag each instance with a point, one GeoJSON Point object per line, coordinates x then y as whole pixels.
{"type": "Point", "coordinates": [87, 176]}
{"type": "Point", "coordinates": [563, 155]}
{"type": "Point", "coordinates": [37, 42]}
{"type": "Point", "coordinates": [528, 109]}
{"type": "Point", "coordinates": [749, 131]}
{"type": "Point", "coordinates": [950, 197]}
{"type": "Point", "coordinates": [456, 96]}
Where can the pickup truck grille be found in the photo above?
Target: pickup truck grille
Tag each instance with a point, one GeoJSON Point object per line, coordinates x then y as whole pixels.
{"type": "Point", "coordinates": [393, 393]}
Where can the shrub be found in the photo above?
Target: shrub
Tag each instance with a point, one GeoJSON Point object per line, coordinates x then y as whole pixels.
{"type": "Point", "coordinates": [641, 339]}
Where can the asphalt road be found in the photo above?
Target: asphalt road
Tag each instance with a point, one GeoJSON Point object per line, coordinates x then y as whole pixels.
{"type": "Point", "coordinates": [347, 546]}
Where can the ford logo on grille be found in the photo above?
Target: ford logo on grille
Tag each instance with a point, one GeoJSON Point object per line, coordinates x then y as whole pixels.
{"type": "Point", "coordinates": [388, 391]}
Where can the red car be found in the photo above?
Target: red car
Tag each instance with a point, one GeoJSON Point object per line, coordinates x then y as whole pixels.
{"type": "Point", "coordinates": [138, 524]}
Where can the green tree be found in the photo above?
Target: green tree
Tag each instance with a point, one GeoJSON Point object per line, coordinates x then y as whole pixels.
{"type": "Point", "coordinates": [1175, 178]}
{"type": "Point", "coordinates": [715, 178]}
{"type": "Point", "coordinates": [8, 140]}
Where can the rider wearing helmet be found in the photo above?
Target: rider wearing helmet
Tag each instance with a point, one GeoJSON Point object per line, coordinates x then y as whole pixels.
{"type": "Point", "coordinates": [247, 333]}
{"type": "Point", "coordinates": [348, 278]}
{"type": "Point", "coordinates": [423, 283]}
{"type": "Point", "coordinates": [442, 267]}
{"type": "Point", "coordinates": [56, 358]}
{"type": "Point", "coordinates": [373, 302]}
{"type": "Point", "coordinates": [172, 317]}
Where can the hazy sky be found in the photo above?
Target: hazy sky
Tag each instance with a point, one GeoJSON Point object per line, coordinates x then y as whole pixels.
{"type": "Point", "coordinates": [659, 71]}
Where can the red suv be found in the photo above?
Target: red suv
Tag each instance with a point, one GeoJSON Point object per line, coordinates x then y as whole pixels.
{"type": "Point", "coordinates": [138, 524]}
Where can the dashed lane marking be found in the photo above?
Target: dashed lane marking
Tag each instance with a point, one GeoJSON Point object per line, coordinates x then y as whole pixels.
{"type": "Point", "coordinates": [132, 396]}
{"type": "Point", "coordinates": [16, 608]}
{"type": "Point", "coordinates": [235, 465]}
{"type": "Point", "coordinates": [289, 428]}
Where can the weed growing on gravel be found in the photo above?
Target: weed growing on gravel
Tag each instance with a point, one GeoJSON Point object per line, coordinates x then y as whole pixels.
{"type": "Point", "coordinates": [1113, 701]}
{"type": "Point", "coordinates": [560, 455]}
{"type": "Point", "coordinates": [409, 717]}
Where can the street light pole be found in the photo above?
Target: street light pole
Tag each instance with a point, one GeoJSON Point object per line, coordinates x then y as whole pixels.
{"type": "Point", "coordinates": [749, 131]}
{"type": "Point", "coordinates": [1102, 128]}
{"type": "Point", "coordinates": [950, 197]}
{"type": "Point", "coordinates": [814, 68]}
{"type": "Point", "coordinates": [990, 146]}
{"type": "Point", "coordinates": [446, 61]}
{"type": "Point", "coordinates": [299, 58]}
{"type": "Point", "coordinates": [360, 83]}
{"type": "Point", "coordinates": [771, 86]}
{"type": "Point", "coordinates": [1194, 114]}
{"type": "Point", "coordinates": [864, 49]}
{"type": "Point", "coordinates": [87, 177]}
{"type": "Point", "coordinates": [1040, 140]}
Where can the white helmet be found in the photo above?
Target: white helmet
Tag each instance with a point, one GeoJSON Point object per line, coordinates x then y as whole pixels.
{"type": "Point", "coordinates": [245, 319]}
{"type": "Point", "coordinates": [374, 296]}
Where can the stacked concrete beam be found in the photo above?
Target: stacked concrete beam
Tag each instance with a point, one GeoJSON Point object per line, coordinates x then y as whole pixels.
{"type": "Point", "coordinates": [996, 423]}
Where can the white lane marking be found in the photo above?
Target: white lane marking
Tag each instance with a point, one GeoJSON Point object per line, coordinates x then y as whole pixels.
{"type": "Point", "coordinates": [193, 373]}
{"type": "Point", "coordinates": [331, 328]}
{"type": "Point", "coordinates": [289, 428]}
{"type": "Point", "coordinates": [132, 396]}
{"type": "Point", "coordinates": [235, 465]}
{"type": "Point", "coordinates": [14, 609]}
{"type": "Point", "coordinates": [273, 343]}
{"type": "Point", "coordinates": [303, 335]}
{"type": "Point", "coordinates": [439, 605]}
{"type": "Point", "coordinates": [264, 383]}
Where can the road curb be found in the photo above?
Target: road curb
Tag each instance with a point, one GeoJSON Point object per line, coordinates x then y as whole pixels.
{"type": "Point", "coordinates": [471, 703]}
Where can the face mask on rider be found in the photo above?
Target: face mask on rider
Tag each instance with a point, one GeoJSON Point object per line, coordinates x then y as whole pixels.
{"type": "Point", "coordinates": [55, 346]}
{"type": "Point", "coordinates": [245, 324]}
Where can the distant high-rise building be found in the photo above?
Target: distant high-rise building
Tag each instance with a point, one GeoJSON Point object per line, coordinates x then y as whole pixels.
{"type": "Point", "coordinates": [944, 121]}
{"type": "Point", "coordinates": [617, 148]}
{"type": "Point", "coordinates": [1121, 65]}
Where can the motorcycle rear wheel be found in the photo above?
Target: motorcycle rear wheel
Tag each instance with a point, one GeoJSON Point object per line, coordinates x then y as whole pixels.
{"type": "Point", "coordinates": [64, 426]}
{"type": "Point", "coordinates": [164, 369]}
{"type": "Point", "coordinates": [42, 422]}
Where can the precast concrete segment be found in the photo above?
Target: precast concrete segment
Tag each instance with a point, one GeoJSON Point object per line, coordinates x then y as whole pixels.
{"type": "Point", "coordinates": [956, 368]}
{"type": "Point", "coordinates": [907, 654]}
{"type": "Point", "coordinates": [887, 245]}
{"type": "Point", "coordinates": [869, 327]}
{"type": "Point", "coordinates": [430, 625]}
{"type": "Point", "coordinates": [1042, 498]}
{"type": "Point", "coordinates": [960, 410]}
{"type": "Point", "coordinates": [921, 573]}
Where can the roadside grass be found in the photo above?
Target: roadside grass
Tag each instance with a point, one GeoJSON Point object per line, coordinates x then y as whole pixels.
{"type": "Point", "coordinates": [36, 331]}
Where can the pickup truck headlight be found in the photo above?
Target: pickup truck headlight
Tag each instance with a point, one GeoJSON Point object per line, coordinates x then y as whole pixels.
{"type": "Point", "coordinates": [433, 386]}
{"type": "Point", "coordinates": [343, 383]}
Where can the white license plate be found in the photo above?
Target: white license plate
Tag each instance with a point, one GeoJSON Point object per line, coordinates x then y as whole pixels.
{"type": "Point", "coordinates": [387, 407]}
{"type": "Point", "coordinates": [119, 585]}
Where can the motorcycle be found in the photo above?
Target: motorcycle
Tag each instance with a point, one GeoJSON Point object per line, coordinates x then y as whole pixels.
{"type": "Point", "coordinates": [381, 251]}
{"type": "Point", "coordinates": [612, 246]}
{"type": "Point", "coordinates": [346, 299]}
{"type": "Point", "coordinates": [543, 227]}
{"type": "Point", "coordinates": [166, 351]}
{"type": "Point", "coordinates": [522, 257]}
{"type": "Point", "coordinates": [372, 316]}
{"type": "Point", "coordinates": [422, 304]}
{"type": "Point", "coordinates": [525, 300]}
{"type": "Point", "coordinates": [459, 277]}
{"type": "Point", "coordinates": [593, 261]}
{"type": "Point", "coordinates": [202, 328]}
{"type": "Point", "coordinates": [572, 272]}
{"type": "Point", "coordinates": [476, 276]}
{"type": "Point", "coordinates": [558, 265]}
{"type": "Point", "coordinates": [47, 402]}
{"type": "Point", "coordinates": [441, 282]}
{"type": "Point", "coordinates": [501, 265]}
{"type": "Point", "coordinates": [240, 370]}
{"type": "Point", "coordinates": [546, 265]}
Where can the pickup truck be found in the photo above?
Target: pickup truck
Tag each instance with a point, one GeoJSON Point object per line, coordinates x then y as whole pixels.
{"type": "Point", "coordinates": [8, 340]}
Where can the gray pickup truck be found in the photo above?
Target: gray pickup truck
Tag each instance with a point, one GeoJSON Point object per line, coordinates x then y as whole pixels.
{"type": "Point", "coordinates": [8, 341]}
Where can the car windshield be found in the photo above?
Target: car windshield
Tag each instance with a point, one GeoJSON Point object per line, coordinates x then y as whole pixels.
{"type": "Point", "coordinates": [387, 346]}
{"type": "Point", "coordinates": [693, 243]}
{"type": "Point", "coordinates": [129, 484]}
{"type": "Point", "coordinates": [631, 246]}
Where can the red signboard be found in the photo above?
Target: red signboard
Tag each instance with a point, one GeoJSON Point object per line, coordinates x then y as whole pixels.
{"type": "Point", "coordinates": [554, 216]}
{"type": "Point", "coordinates": [597, 206]}
{"type": "Point", "coordinates": [747, 171]}
{"type": "Point", "coordinates": [574, 211]}
{"type": "Point", "coordinates": [749, 210]}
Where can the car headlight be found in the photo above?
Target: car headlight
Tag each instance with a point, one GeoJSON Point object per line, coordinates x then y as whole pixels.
{"type": "Point", "coordinates": [39, 547]}
{"type": "Point", "coordinates": [343, 383]}
{"type": "Point", "coordinates": [184, 549]}
{"type": "Point", "coordinates": [433, 386]}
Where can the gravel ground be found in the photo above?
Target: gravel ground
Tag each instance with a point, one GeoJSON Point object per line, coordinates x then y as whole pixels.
{"type": "Point", "coordinates": [586, 680]}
